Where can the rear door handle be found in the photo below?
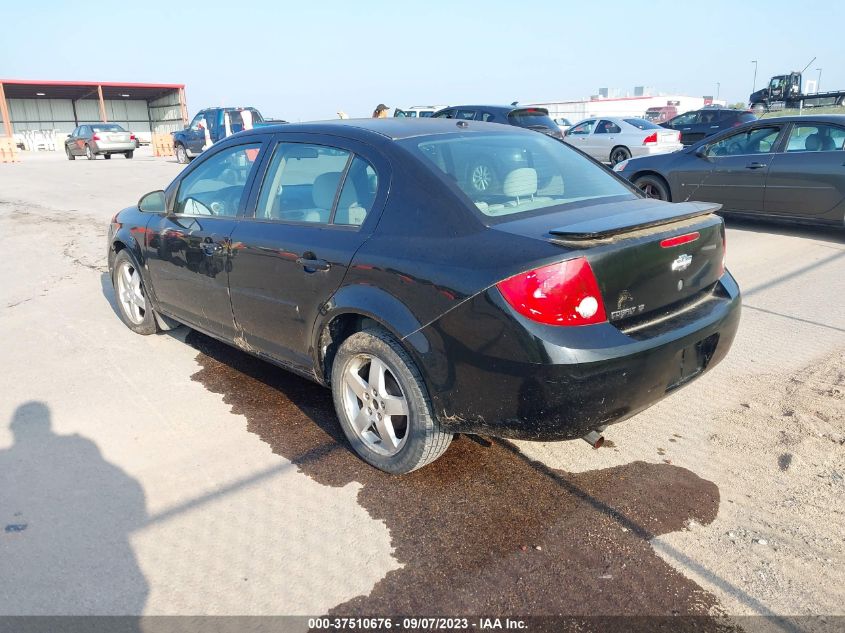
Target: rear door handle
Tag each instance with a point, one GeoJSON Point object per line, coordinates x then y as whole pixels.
{"type": "Point", "coordinates": [755, 165]}
{"type": "Point", "coordinates": [313, 265]}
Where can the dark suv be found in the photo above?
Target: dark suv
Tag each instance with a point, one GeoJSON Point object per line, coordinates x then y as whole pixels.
{"type": "Point", "coordinates": [697, 124]}
{"type": "Point", "coordinates": [537, 119]}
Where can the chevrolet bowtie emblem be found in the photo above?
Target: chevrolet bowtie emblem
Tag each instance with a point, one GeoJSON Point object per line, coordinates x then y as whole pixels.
{"type": "Point", "coordinates": [681, 263]}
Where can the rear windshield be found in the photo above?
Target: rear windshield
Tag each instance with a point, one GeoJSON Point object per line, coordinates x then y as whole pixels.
{"type": "Point", "coordinates": [532, 118]}
{"type": "Point", "coordinates": [643, 124]}
{"type": "Point", "coordinates": [107, 127]}
{"type": "Point", "coordinates": [511, 174]}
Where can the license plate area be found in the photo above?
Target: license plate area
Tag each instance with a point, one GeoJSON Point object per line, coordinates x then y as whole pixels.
{"type": "Point", "coordinates": [692, 360]}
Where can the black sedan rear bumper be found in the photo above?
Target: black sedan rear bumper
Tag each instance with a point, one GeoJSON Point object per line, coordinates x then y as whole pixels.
{"type": "Point", "coordinates": [509, 377]}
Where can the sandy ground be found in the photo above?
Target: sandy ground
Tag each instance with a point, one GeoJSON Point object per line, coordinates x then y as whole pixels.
{"type": "Point", "coordinates": [171, 475]}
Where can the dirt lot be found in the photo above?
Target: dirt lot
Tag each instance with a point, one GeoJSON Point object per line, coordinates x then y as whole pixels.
{"type": "Point", "coordinates": [174, 475]}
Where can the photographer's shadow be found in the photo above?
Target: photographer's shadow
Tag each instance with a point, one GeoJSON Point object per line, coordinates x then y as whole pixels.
{"type": "Point", "coordinates": [66, 515]}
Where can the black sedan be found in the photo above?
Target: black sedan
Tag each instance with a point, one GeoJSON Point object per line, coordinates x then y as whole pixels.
{"type": "Point", "coordinates": [786, 168]}
{"type": "Point", "coordinates": [357, 254]}
{"type": "Point", "coordinates": [708, 121]}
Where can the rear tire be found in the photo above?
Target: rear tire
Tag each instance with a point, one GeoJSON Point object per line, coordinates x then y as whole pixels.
{"type": "Point", "coordinates": [129, 154]}
{"type": "Point", "coordinates": [398, 442]}
{"type": "Point", "coordinates": [618, 154]}
{"type": "Point", "coordinates": [70, 155]}
{"type": "Point", "coordinates": [653, 187]}
{"type": "Point", "coordinates": [89, 153]}
{"type": "Point", "coordinates": [181, 154]}
{"type": "Point", "coordinates": [107, 156]}
{"type": "Point", "coordinates": [133, 303]}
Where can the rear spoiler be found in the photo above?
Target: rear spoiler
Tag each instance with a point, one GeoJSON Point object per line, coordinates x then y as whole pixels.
{"type": "Point", "coordinates": [611, 225]}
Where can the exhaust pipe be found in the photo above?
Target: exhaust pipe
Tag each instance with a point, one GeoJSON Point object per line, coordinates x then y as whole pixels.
{"type": "Point", "coordinates": [594, 439]}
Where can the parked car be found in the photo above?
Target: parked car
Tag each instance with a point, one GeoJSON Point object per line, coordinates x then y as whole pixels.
{"type": "Point", "coordinates": [787, 168]}
{"type": "Point", "coordinates": [95, 139]}
{"type": "Point", "coordinates": [563, 123]}
{"type": "Point", "coordinates": [533, 118]}
{"type": "Point", "coordinates": [356, 255]}
{"type": "Point", "coordinates": [611, 139]}
{"type": "Point", "coordinates": [421, 112]}
{"type": "Point", "coordinates": [219, 123]}
{"type": "Point", "coordinates": [700, 124]}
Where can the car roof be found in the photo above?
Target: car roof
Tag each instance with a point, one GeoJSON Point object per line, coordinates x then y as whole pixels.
{"type": "Point", "coordinates": [820, 118]}
{"type": "Point", "coordinates": [393, 128]}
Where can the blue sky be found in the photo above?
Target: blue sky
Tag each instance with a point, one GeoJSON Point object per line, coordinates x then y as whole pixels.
{"type": "Point", "coordinates": [306, 60]}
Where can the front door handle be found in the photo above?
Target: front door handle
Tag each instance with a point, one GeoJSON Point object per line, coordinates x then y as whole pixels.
{"type": "Point", "coordinates": [755, 165]}
{"type": "Point", "coordinates": [312, 264]}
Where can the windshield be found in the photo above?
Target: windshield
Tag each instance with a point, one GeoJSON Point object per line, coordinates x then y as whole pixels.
{"type": "Point", "coordinates": [643, 124]}
{"type": "Point", "coordinates": [532, 118]}
{"type": "Point", "coordinates": [107, 127]}
{"type": "Point", "coordinates": [510, 174]}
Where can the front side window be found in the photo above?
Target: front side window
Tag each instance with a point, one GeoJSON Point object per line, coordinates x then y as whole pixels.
{"type": "Point", "coordinates": [607, 127]}
{"type": "Point", "coordinates": [467, 115]}
{"type": "Point", "coordinates": [199, 119]}
{"type": "Point", "coordinates": [583, 128]}
{"type": "Point", "coordinates": [760, 140]}
{"type": "Point", "coordinates": [216, 185]}
{"type": "Point", "coordinates": [317, 184]}
{"type": "Point", "coordinates": [509, 174]}
{"type": "Point", "coordinates": [684, 119]}
{"type": "Point", "coordinates": [445, 114]}
{"type": "Point", "coordinates": [816, 137]}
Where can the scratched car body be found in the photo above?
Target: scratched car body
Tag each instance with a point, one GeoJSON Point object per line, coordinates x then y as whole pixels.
{"type": "Point", "coordinates": [360, 255]}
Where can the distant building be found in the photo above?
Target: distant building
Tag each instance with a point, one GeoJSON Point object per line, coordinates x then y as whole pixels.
{"type": "Point", "coordinates": [621, 106]}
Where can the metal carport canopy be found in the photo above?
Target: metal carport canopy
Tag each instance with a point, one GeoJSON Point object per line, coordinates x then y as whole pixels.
{"type": "Point", "coordinates": [77, 90]}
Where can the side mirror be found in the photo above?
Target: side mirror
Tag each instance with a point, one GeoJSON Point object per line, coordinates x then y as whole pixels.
{"type": "Point", "coordinates": [701, 152]}
{"type": "Point", "coordinates": [153, 202]}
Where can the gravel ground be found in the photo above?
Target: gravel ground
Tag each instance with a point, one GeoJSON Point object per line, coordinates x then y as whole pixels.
{"type": "Point", "coordinates": [173, 475]}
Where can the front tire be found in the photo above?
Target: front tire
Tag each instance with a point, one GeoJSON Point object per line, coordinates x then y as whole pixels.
{"type": "Point", "coordinates": [132, 300]}
{"type": "Point", "coordinates": [181, 154]}
{"type": "Point", "coordinates": [653, 187]}
{"type": "Point", "coordinates": [107, 156]}
{"type": "Point", "coordinates": [618, 154]}
{"type": "Point", "coordinates": [89, 153]}
{"type": "Point", "coordinates": [482, 176]}
{"type": "Point", "coordinates": [70, 155]}
{"type": "Point", "coordinates": [383, 405]}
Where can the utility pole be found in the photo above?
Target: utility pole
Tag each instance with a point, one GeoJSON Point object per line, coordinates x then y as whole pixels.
{"type": "Point", "coordinates": [718, 85]}
{"type": "Point", "coordinates": [754, 83]}
{"type": "Point", "coordinates": [819, 82]}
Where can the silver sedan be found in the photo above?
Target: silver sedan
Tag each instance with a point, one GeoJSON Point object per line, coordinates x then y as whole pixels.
{"type": "Point", "coordinates": [94, 139]}
{"type": "Point", "coordinates": [613, 139]}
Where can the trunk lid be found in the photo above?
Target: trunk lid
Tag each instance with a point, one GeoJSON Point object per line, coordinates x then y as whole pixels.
{"type": "Point", "coordinates": [646, 254]}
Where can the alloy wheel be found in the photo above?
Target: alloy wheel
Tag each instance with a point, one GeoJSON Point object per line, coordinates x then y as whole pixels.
{"type": "Point", "coordinates": [482, 177]}
{"type": "Point", "coordinates": [375, 405]}
{"type": "Point", "coordinates": [130, 293]}
{"type": "Point", "coordinates": [650, 191]}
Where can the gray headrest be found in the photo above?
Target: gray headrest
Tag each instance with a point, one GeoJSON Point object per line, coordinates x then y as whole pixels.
{"type": "Point", "coordinates": [520, 182]}
{"type": "Point", "coordinates": [324, 189]}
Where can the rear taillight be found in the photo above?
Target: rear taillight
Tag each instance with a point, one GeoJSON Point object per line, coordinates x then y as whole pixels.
{"type": "Point", "coordinates": [96, 137]}
{"type": "Point", "coordinates": [651, 139]}
{"type": "Point", "coordinates": [565, 293]}
{"type": "Point", "coordinates": [131, 137]}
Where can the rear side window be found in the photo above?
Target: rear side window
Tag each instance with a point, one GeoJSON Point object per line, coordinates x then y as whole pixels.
{"type": "Point", "coordinates": [607, 127]}
{"type": "Point", "coordinates": [532, 118]}
{"type": "Point", "coordinates": [510, 174]}
{"type": "Point", "coordinates": [316, 184]}
{"type": "Point", "coordinates": [445, 114]}
{"type": "Point", "coordinates": [817, 137]}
